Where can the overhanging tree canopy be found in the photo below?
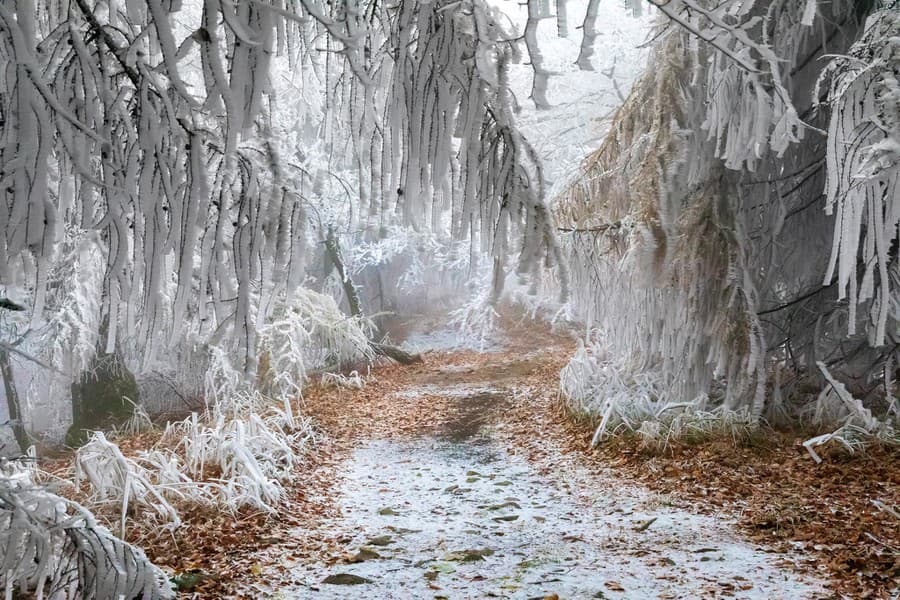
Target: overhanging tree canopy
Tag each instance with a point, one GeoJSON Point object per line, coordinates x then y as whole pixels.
{"type": "Point", "coordinates": [145, 128]}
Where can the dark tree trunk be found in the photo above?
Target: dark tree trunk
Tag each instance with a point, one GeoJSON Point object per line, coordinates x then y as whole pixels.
{"type": "Point", "coordinates": [99, 398]}
{"type": "Point", "coordinates": [333, 251]}
{"type": "Point", "coordinates": [394, 353]}
{"type": "Point", "coordinates": [14, 407]}
{"type": "Point", "coordinates": [12, 401]}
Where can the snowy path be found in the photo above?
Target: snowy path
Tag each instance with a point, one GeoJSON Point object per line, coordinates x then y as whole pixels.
{"type": "Point", "coordinates": [438, 519]}
{"type": "Point", "coordinates": [436, 495]}
{"type": "Point", "coordinates": [457, 513]}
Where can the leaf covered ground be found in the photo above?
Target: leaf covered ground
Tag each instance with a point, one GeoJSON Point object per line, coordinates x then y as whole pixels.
{"type": "Point", "coordinates": [815, 520]}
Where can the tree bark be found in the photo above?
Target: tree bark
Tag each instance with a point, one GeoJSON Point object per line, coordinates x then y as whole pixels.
{"type": "Point", "coordinates": [350, 291]}
{"type": "Point", "coordinates": [589, 35]}
{"type": "Point", "coordinates": [12, 401]}
{"type": "Point", "coordinates": [541, 74]}
{"type": "Point", "coordinates": [562, 19]}
{"type": "Point", "coordinates": [394, 353]}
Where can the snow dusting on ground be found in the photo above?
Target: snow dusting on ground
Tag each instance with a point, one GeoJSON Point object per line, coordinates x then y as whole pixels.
{"type": "Point", "coordinates": [457, 515]}
{"type": "Point", "coordinates": [446, 339]}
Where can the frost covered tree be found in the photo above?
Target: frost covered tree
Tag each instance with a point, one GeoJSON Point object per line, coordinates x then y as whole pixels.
{"type": "Point", "coordinates": [162, 182]}
{"type": "Point", "coordinates": [734, 238]}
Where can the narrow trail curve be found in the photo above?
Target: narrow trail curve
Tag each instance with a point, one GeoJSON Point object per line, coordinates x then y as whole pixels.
{"type": "Point", "coordinates": [442, 487]}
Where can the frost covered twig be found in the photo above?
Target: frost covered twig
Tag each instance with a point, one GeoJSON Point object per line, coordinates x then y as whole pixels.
{"type": "Point", "coordinates": [56, 548]}
{"type": "Point", "coordinates": [541, 75]}
{"type": "Point", "coordinates": [352, 381]}
{"type": "Point", "coordinates": [113, 477]}
{"type": "Point", "coordinates": [477, 319]}
{"type": "Point", "coordinates": [863, 167]}
{"type": "Point", "coordinates": [858, 426]}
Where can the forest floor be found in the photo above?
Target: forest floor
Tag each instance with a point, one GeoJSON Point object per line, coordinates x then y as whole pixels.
{"type": "Point", "coordinates": [462, 477]}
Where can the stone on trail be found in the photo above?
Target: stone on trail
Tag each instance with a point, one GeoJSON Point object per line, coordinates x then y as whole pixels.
{"type": "Point", "coordinates": [363, 555]}
{"type": "Point", "coordinates": [443, 567]}
{"type": "Point", "coordinates": [465, 556]}
{"type": "Point", "coordinates": [402, 530]}
{"type": "Point", "coordinates": [345, 579]}
{"type": "Point", "coordinates": [381, 540]}
{"type": "Point", "coordinates": [189, 580]}
{"type": "Point", "coordinates": [504, 505]}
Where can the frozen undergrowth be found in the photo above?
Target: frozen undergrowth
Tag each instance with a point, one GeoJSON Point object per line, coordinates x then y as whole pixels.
{"type": "Point", "coordinates": [352, 380]}
{"type": "Point", "coordinates": [228, 459]}
{"type": "Point", "coordinates": [249, 457]}
{"type": "Point", "coordinates": [244, 447]}
{"type": "Point", "coordinates": [628, 397]}
{"type": "Point", "coordinates": [856, 425]}
{"type": "Point", "coordinates": [112, 477]}
{"type": "Point", "coordinates": [55, 548]}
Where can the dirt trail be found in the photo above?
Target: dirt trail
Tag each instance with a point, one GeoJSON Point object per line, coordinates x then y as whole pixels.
{"type": "Point", "coordinates": [441, 490]}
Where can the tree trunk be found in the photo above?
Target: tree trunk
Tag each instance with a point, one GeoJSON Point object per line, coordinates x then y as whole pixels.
{"type": "Point", "coordinates": [541, 74]}
{"type": "Point", "coordinates": [334, 253]}
{"type": "Point", "coordinates": [589, 35]}
{"type": "Point", "coordinates": [562, 19]}
{"type": "Point", "coordinates": [394, 353]}
{"type": "Point", "coordinates": [12, 401]}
